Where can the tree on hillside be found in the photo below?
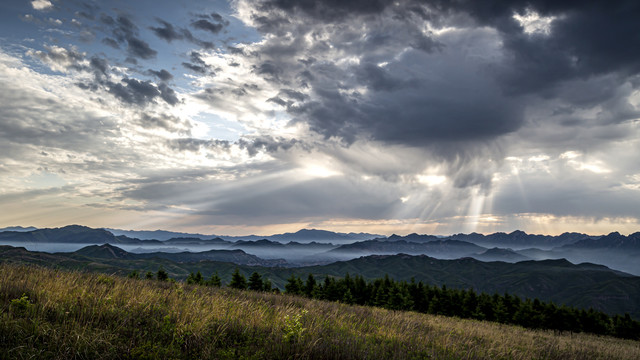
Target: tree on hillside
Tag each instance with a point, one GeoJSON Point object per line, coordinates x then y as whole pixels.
{"type": "Point", "coordinates": [309, 286]}
{"type": "Point", "coordinates": [255, 282]}
{"type": "Point", "coordinates": [215, 280]}
{"type": "Point", "coordinates": [162, 275]}
{"type": "Point", "coordinates": [294, 285]}
{"type": "Point", "coordinates": [238, 281]}
{"type": "Point", "coordinates": [267, 285]}
{"type": "Point", "coordinates": [196, 279]}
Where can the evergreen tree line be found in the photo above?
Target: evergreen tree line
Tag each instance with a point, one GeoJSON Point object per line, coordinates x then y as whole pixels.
{"type": "Point", "coordinates": [507, 309]}
{"type": "Point", "coordinates": [417, 296]}
{"type": "Point", "coordinates": [238, 281]}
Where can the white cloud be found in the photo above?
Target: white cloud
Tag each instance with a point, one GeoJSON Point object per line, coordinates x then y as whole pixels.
{"type": "Point", "coordinates": [533, 23]}
{"type": "Point", "coordinates": [41, 4]}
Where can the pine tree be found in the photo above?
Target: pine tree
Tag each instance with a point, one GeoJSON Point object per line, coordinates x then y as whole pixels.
{"type": "Point", "coordinates": [266, 285]}
{"type": "Point", "coordinates": [238, 281]}
{"type": "Point", "coordinates": [309, 286]}
{"type": "Point", "coordinates": [293, 285]}
{"type": "Point", "coordinates": [215, 280]}
{"type": "Point", "coordinates": [162, 275]}
{"type": "Point", "coordinates": [195, 279]}
{"type": "Point", "coordinates": [347, 298]}
{"type": "Point", "coordinates": [255, 282]}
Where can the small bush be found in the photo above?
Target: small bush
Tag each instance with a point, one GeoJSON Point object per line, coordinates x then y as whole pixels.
{"type": "Point", "coordinates": [20, 305]}
{"type": "Point", "coordinates": [293, 330]}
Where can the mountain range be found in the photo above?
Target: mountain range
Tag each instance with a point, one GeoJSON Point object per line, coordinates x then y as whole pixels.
{"type": "Point", "coordinates": [303, 235]}
{"type": "Point", "coordinates": [310, 247]}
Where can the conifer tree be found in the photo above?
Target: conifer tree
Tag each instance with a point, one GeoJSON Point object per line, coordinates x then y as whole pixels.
{"type": "Point", "coordinates": [347, 298]}
{"type": "Point", "coordinates": [266, 285]}
{"type": "Point", "coordinates": [238, 281]}
{"type": "Point", "coordinates": [196, 279]}
{"type": "Point", "coordinates": [215, 280]}
{"type": "Point", "coordinates": [162, 275]}
{"type": "Point", "coordinates": [309, 286]}
{"type": "Point", "coordinates": [255, 282]}
{"type": "Point", "coordinates": [293, 285]}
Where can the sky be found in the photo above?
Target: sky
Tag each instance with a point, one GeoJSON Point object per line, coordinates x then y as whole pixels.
{"type": "Point", "coordinates": [262, 117]}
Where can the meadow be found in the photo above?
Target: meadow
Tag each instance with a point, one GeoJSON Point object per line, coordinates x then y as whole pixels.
{"type": "Point", "coordinates": [48, 313]}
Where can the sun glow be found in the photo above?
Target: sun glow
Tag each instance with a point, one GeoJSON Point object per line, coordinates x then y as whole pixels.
{"type": "Point", "coordinates": [319, 171]}
{"type": "Point", "coordinates": [432, 180]}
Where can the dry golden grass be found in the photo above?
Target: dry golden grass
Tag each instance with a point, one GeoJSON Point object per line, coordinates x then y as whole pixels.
{"type": "Point", "coordinates": [78, 315]}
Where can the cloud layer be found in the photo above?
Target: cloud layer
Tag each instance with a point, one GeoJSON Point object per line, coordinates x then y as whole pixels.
{"type": "Point", "coordinates": [396, 116]}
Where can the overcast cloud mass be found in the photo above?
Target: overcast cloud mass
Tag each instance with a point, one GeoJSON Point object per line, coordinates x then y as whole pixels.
{"type": "Point", "coordinates": [268, 116]}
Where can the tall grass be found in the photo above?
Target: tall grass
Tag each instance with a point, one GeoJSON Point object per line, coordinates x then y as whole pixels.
{"type": "Point", "coordinates": [46, 313]}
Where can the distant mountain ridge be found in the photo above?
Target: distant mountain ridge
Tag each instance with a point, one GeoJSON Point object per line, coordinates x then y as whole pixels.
{"type": "Point", "coordinates": [68, 234]}
{"type": "Point", "coordinates": [18, 228]}
{"type": "Point", "coordinates": [311, 246]}
{"type": "Point", "coordinates": [520, 239]}
{"type": "Point", "coordinates": [516, 238]}
{"type": "Point", "coordinates": [108, 251]}
{"type": "Point", "coordinates": [161, 235]}
{"type": "Point", "coordinates": [612, 241]}
{"type": "Point", "coordinates": [71, 234]}
{"type": "Point", "coordinates": [303, 235]}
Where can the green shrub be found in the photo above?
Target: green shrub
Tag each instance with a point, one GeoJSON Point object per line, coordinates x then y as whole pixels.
{"type": "Point", "coordinates": [21, 305]}
{"type": "Point", "coordinates": [293, 330]}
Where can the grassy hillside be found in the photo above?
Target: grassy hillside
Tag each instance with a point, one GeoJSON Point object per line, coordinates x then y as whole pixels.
{"type": "Point", "coordinates": [46, 313]}
{"type": "Point", "coordinates": [582, 286]}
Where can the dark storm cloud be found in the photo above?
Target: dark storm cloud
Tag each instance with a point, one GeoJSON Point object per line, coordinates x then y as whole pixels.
{"type": "Point", "coordinates": [586, 38]}
{"type": "Point", "coordinates": [107, 20]}
{"type": "Point", "coordinates": [168, 94]}
{"type": "Point", "coordinates": [217, 17]}
{"type": "Point", "coordinates": [195, 68]}
{"type": "Point", "coordinates": [140, 93]}
{"type": "Point", "coordinates": [126, 32]}
{"type": "Point", "coordinates": [170, 33]}
{"type": "Point", "coordinates": [140, 49]}
{"type": "Point", "coordinates": [379, 79]}
{"type": "Point", "coordinates": [235, 50]}
{"type": "Point", "coordinates": [266, 143]}
{"type": "Point", "coordinates": [271, 69]}
{"type": "Point", "coordinates": [110, 42]}
{"type": "Point", "coordinates": [477, 98]}
{"type": "Point", "coordinates": [167, 31]}
{"type": "Point", "coordinates": [212, 27]}
{"type": "Point", "coordinates": [329, 10]}
{"type": "Point", "coordinates": [134, 91]}
{"type": "Point", "coordinates": [293, 94]}
{"type": "Point", "coordinates": [195, 145]}
{"type": "Point", "coordinates": [164, 121]}
{"type": "Point", "coordinates": [197, 64]}
{"type": "Point", "coordinates": [99, 65]}
{"type": "Point", "coordinates": [208, 26]}
{"type": "Point", "coordinates": [163, 74]}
